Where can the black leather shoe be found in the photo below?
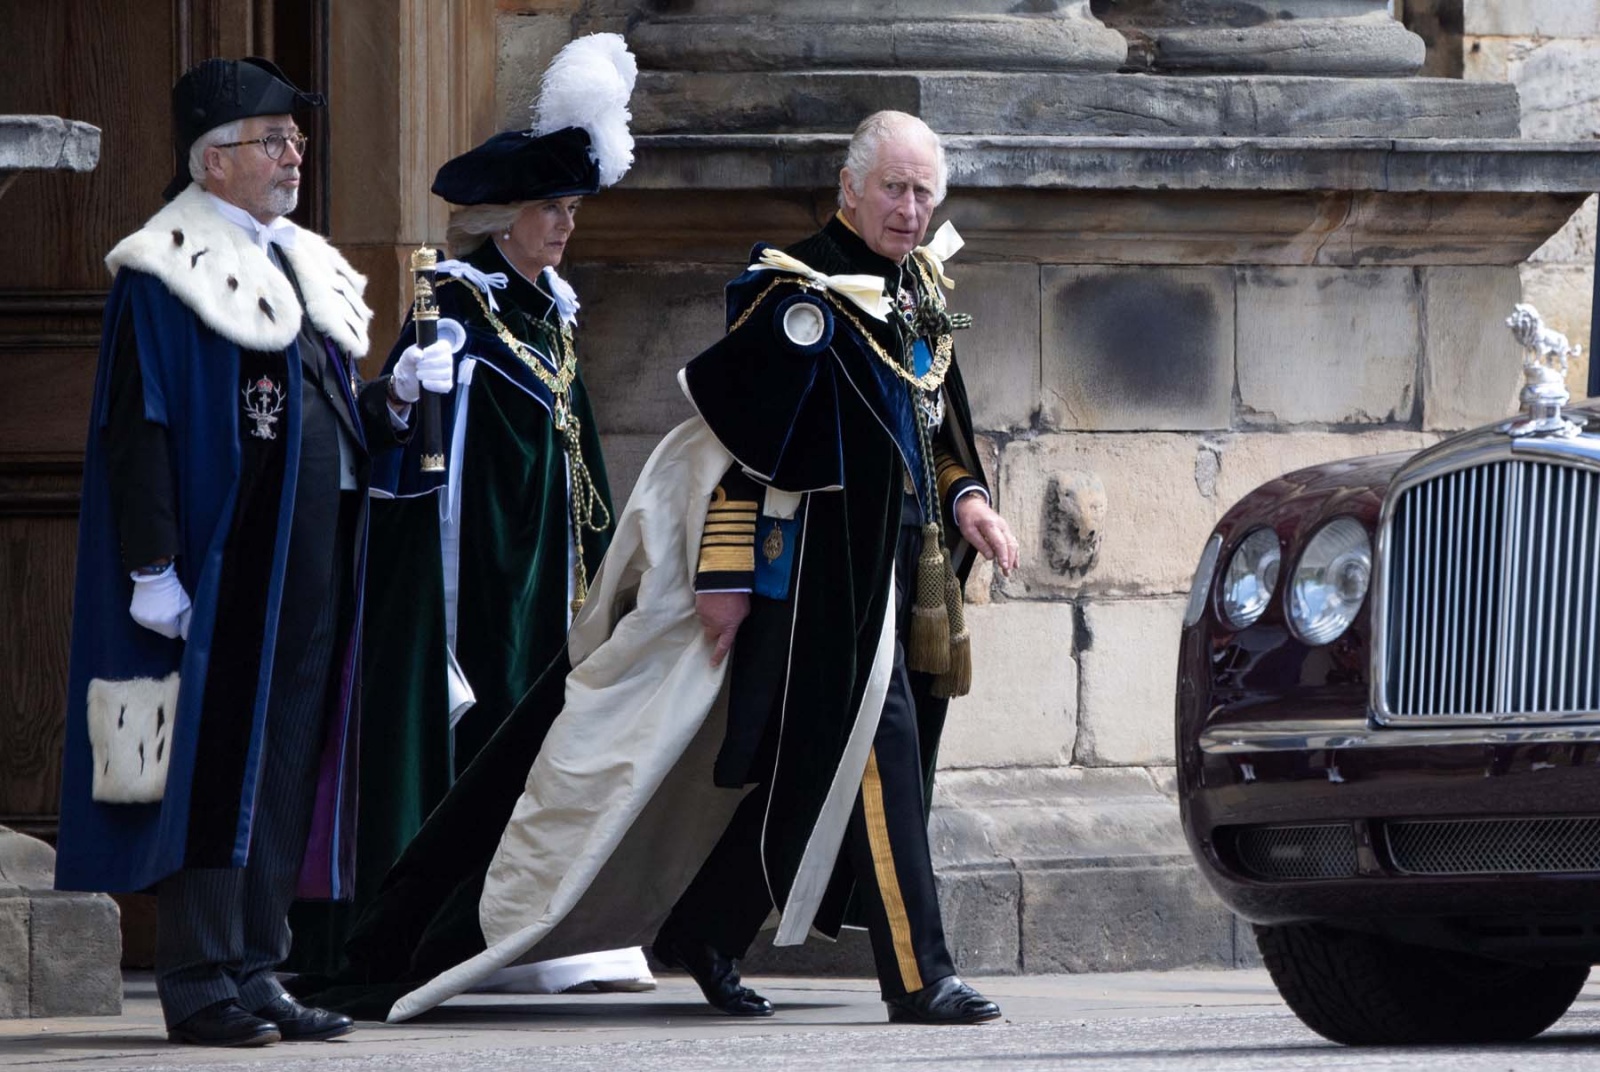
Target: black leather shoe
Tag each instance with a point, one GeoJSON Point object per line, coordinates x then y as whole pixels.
{"type": "Point", "coordinates": [948, 1001]}
{"type": "Point", "coordinates": [717, 975]}
{"type": "Point", "coordinates": [302, 1023]}
{"type": "Point", "coordinates": [225, 1024]}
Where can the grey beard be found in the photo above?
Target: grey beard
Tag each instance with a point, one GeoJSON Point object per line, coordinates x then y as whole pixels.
{"type": "Point", "coordinates": [281, 200]}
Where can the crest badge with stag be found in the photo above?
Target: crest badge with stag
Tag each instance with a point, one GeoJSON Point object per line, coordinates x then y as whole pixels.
{"type": "Point", "coordinates": [263, 404]}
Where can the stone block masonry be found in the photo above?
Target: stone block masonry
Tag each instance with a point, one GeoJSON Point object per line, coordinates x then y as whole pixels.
{"type": "Point", "coordinates": [1547, 50]}
{"type": "Point", "coordinates": [59, 952]}
{"type": "Point", "coordinates": [1024, 706]}
{"type": "Point", "coordinates": [1109, 364]}
{"type": "Point", "coordinates": [1328, 345]}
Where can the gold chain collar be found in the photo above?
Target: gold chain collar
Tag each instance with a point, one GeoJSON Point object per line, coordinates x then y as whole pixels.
{"type": "Point", "coordinates": [943, 346]}
{"type": "Point", "coordinates": [560, 381]}
{"type": "Point", "coordinates": [588, 511]}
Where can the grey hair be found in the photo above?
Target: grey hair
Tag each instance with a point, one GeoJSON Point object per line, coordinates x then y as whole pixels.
{"type": "Point", "coordinates": [469, 226]}
{"type": "Point", "coordinates": [868, 140]}
{"type": "Point", "coordinates": [215, 136]}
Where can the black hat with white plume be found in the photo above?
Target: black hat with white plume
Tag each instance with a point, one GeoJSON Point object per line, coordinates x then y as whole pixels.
{"type": "Point", "coordinates": [579, 141]}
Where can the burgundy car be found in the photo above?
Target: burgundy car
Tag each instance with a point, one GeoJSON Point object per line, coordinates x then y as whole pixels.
{"type": "Point", "coordinates": [1388, 725]}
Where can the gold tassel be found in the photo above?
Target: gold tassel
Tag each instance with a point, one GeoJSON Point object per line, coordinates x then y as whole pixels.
{"type": "Point", "coordinates": [957, 679]}
{"type": "Point", "coordinates": [929, 650]}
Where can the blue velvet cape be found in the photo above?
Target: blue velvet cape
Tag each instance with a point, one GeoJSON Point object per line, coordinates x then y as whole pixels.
{"type": "Point", "coordinates": [190, 376]}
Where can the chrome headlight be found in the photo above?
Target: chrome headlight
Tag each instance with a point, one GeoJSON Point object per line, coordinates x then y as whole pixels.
{"type": "Point", "coordinates": [1251, 577]}
{"type": "Point", "coordinates": [1330, 580]}
{"type": "Point", "coordinates": [1200, 587]}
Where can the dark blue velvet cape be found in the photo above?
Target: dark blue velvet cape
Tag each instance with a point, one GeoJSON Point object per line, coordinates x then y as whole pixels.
{"type": "Point", "coordinates": [780, 418]}
{"type": "Point", "coordinates": [190, 376]}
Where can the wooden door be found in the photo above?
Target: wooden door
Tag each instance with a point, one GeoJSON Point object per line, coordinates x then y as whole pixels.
{"type": "Point", "coordinates": [111, 63]}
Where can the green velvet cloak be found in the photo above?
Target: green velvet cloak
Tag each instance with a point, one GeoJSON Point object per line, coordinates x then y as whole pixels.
{"type": "Point", "coordinates": [513, 571]}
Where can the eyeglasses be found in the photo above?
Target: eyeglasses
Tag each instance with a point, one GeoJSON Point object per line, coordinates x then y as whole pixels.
{"type": "Point", "coordinates": [273, 144]}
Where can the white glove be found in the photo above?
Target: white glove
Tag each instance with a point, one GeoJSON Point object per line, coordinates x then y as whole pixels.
{"type": "Point", "coordinates": [431, 367]}
{"type": "Point", "coordinates": [160, 604]}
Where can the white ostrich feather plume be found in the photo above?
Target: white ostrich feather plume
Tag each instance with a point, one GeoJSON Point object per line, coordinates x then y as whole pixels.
{"type": "Point", "coordinates": [588, 85]}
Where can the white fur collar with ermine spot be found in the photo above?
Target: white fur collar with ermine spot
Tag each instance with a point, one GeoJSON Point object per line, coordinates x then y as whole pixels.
{"type": "Point", "coordinates": [216, 269]}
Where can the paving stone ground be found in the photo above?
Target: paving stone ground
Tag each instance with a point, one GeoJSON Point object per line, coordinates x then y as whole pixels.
{"type": "Point", "coordinates": [1192, 1020]}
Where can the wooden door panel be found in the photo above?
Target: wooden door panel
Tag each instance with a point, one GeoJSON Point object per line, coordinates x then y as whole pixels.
{"type": "Point", "coordinates": [36, 572]}
{"type": "Point", "coordinates": [108, 64]}
{"type": "Point", "coordinates": [111, 63]}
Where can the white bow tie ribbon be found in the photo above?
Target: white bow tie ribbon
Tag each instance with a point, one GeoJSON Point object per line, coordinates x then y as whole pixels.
{"type": "Point", "coordinates": [865, 292]}
{"type": "Point", "coordinates": [565, 297]}
{"type": "Point", "coordinates": [488, 282]}
{"type": "Point", "coordinates": [279, 231]}
{"type": "Point", "coordinates": [946, 243]}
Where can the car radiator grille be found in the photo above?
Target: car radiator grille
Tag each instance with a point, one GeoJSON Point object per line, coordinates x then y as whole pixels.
{"type": "Point", "coordinates": [1493, 595]}
{"type": "Point", "coordinates": [1494, 846]}
{"type": "Point", "coordinates": [1275, 853]}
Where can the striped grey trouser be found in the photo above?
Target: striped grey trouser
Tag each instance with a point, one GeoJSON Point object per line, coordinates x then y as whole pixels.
{"type": "Point", "coordinates": [222, 932]}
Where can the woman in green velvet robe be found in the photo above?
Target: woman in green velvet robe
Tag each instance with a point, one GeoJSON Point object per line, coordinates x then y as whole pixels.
{"type": "Point", "coordinates": [524, 508]}
{"type": "Point", "coordinates": [527, 513]}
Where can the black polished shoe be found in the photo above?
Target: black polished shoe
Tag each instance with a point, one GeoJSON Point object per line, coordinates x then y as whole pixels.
{"type": "Point", "coordinates": [224, 1024]}
{"type": "Point", "coordinates": [948, 1001]}
{"type": "Point", "coordinates": [717, 975]}
{"type": "Point", "coordinates": [302, 1023]}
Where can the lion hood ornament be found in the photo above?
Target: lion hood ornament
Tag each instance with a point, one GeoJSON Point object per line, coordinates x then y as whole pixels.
{"type": "Point", "coordinates": [1544, 369]}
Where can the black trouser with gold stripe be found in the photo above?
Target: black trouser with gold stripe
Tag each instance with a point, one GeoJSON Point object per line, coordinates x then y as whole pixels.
{"type": "Point", "coordinates": [887, 845]}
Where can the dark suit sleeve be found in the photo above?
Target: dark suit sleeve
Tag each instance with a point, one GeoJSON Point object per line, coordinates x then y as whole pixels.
{"type": "Point", "coordinates": [728, 545]}
{"type": "Point", "coordinates": [139, 464]}
{"type": "Point", "coordinates": [372, 400]}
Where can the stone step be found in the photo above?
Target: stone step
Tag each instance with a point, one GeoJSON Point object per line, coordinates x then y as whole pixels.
{"type": "Point", "coordinates": [59, 952]}
{"type": "Point", "coordinates": [1377, 47]}
{"type": "Point", "coordinates": [818, 39]}
{"type": "Point", "coordinates": [806, 162]}
{"type": "Point", "coordinates": [973, 102]}
{"type": "Point", "coordinates": [709, 228]}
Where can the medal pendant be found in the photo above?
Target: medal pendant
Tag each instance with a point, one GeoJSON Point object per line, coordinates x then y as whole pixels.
{"type": "Point", "coordinates": [561, 414]}
{"type": "Point", "coordinates": [772, 546]}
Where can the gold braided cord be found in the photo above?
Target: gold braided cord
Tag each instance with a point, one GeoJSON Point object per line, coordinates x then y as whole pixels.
{"type": "Point", "coordinates": [751, 308]}
{"type": "Point", "coordinates": [586, 502]}
{"type": "Point", "coordinates": [587, 507]}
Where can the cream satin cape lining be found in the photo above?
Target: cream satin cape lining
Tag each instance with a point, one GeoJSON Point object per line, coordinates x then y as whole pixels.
{"type": "Point", "coordinates": [619, 809]}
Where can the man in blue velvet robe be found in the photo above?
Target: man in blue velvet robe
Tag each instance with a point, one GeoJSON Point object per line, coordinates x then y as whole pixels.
{"type": "Point", "coordinates": [211, 722]}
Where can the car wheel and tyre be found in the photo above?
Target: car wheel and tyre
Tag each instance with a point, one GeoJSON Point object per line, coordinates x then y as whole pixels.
{"type": "Point", "coordinates": [1367, 990]}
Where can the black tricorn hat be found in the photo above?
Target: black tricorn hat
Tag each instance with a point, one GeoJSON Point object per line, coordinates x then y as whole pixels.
{"type": "Point", "coordinates": [518, 165]}
{"type": "Point", "coordinates": [219, 91]}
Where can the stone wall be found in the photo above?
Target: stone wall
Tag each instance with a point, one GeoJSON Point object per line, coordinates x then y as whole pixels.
{"type": "Point", "coordinates": [1117, 439]}
{"type": "Point", "coordinates": [1548, 49]}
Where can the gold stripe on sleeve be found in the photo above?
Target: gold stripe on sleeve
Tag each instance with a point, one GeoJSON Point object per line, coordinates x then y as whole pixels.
{"type": "Point", "coordinates": [949, 474]}
{"type": "Point", "coordinates": [718, 559]}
